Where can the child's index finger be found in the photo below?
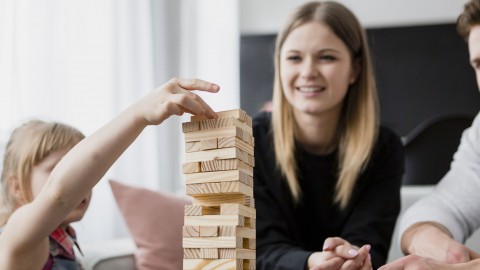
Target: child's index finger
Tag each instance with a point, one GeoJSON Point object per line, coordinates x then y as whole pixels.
{"type": "Point", "coordinates": [197, 84]}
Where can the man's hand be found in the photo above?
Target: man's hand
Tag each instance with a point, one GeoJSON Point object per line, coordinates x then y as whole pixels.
{"type": "Point", "coordinates": [432, 240]}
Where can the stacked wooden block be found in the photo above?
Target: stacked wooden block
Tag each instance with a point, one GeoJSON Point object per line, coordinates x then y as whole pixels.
{"type": "Point", "coordinates": [219, 226]}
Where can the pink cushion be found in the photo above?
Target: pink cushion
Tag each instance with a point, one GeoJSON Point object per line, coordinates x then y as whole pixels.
{"type": "Point", "coordinates": [155, 221]}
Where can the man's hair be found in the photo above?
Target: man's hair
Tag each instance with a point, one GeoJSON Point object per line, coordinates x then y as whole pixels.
{"type": "Point", "coordinates": [469, 18]}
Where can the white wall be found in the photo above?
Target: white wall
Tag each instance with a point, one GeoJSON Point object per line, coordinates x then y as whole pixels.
{"type": "Point", "coordinates": [267, 16]}
{"type": "Point", "coordinates": [210, 48]}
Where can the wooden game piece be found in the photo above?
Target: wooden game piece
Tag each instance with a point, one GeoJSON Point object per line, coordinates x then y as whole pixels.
{"type": "Point", "coordinates": [219, 133]}
{"type": "Point", "coordinates": [191, 167]}
{"type": "Point", "coordinates": [225, 165]}
{"type": "Point", "coordinates": [191, 231]}
{"type": "Point", "coordinates": [224, 264]}
{"type": "Point", "coordinates": [208, 231]}
{"type": "Point", "coordinates": [236, 253]}
{"type": "Point", "coordinates": [219, 176]}
{"type": "Point", "coordinates": [237, 113]}
{"type": "Point", "coordinates": [214, 220]}
{"type": "Point", "coordinates": [237, 209]}
{"type": "Point", "coordinates": [217, 199]}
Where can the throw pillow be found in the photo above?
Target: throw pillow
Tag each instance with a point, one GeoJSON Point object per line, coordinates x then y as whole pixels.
{"type": "Point", "coordinates": [155, 221]}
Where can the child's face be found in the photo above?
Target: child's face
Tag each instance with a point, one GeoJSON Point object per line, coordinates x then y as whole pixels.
{"type": "Point", "coordinates": [40, 174]}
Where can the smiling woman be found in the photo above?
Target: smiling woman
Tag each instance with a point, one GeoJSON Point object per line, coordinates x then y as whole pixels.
{"type": "Point", "coordinates": [331, 156]}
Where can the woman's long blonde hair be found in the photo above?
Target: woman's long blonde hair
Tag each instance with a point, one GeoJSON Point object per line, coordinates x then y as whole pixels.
{"type": "Point", "coordinates": [29, 144]}
{"type": "Point", "coordinates": [358, 126]}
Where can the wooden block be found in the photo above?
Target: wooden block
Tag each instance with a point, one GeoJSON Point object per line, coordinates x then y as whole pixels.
{"type": "Point", "coordinates": [225, 165]}
{"type": "Point", "coordinates": [192, 253]}
{"type": "Point", "coordinates": [236, 253]}
{"type": "Point", "coordinates": [249, 159]}
{"type": "Point", "coordinates": [214, 220]}
{"type": "Point", "coordinates": [227, 142]}
{"type": "Point", "coordinates": [225, 230]}
{"type": "Point", "coordinates": [208, 231]}
{"type": "Point", "coordinates": [219, 133]}
{"type": "Point", "coordinates": [203, 189]}
{"type": "Point", "coordinates": [190, 126]}
{"type": "Point", "coordinates": [219, 176]}
{"type": "Point", "coordinates": [224, 122]}
{"type": "Point", "coordinates": [200, 210]}
{"type": "Point", "coordinates": [209, 253]}
{"type": "Point", "coordinates": [193, 210]}
{"type": "Point", "coordinates": [211, 189]}
{"type": "Point", "coordinates": [237, 113]}
{"type": "Point", "coordinates": [237, 231]}
{"type": "Point", "coordinates": [236, 187]}
{"type": "Point", "coordinates": [216, 154]}
{"type": "Point", "coordinates": [251, 244]}
{"type": "Point", "coordinates": [213, 242]}
{"type": "Point", "coordinates": [226, 153]}
{"type": "Point", "coordinates": [192, 146]}
{"type": "Point", "coordinates": [192, 167]}
{"type": "Point", "coordinates": [218, 199]}
{"type": "Point", "coordinates": [237, 209]}
{"type": "Point", "coordinates": [250, 264]}
{"type": "Point", "coordinates": [201, 145]}
{"type": "Point", "coordinates": [205, 264]}
{"type": "Point", "coordinates": [191, 231]}
{"type": "Point", "coordinates": [208, 144]}
{"type": "Point", "coordinates": [250, 222]}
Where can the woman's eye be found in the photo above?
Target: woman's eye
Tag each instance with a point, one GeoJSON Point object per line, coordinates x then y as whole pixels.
{"type": "Point", "coordinates": [293, 58]}
{"type": "Point", "coordinates": [327, 58]}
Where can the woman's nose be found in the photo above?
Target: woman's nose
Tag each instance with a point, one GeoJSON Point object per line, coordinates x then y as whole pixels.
{"type": "Point", "coordinates": [309, 69]}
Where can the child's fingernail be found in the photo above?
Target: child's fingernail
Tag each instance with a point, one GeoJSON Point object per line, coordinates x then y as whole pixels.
{"type": "Point", "coordinates": [211, 114]}
{"type": "Point", "coordinates": [353, 252]}
{"type": "Point", "coordinates": [369, 247]}
{"type": "Point", "coordinates": [326, 246]}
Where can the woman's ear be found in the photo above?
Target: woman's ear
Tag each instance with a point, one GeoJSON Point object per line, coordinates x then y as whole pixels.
{"type": "Point", "coordinates": [356, 68]}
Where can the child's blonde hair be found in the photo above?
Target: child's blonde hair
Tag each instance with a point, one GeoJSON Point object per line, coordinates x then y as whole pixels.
{"type": "Point", "coordinates": [28, 145]}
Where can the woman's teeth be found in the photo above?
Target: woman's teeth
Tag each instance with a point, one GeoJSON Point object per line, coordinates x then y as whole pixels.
{"type": "Point", "coordinates": [310, 89]}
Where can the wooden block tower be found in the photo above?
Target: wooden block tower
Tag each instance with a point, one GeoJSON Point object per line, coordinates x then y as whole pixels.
{"type": "Point", "coordinates": [219, 227]}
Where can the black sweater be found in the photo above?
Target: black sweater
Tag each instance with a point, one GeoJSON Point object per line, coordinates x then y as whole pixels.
{"type": "Point", "coordinates": [287, 233]}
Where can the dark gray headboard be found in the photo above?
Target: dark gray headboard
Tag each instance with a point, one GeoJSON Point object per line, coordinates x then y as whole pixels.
{"type": "Point", "coordinates": [421, 71]}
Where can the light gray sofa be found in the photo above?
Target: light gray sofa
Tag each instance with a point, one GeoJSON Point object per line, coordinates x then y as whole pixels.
{"type": "Point", "coordinates": [118, 254]}
{"type": "Point", "coordinates": [410, 194]}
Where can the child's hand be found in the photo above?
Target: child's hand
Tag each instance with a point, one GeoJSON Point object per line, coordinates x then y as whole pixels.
{"type": "Point", "coordinates": [176, 97]}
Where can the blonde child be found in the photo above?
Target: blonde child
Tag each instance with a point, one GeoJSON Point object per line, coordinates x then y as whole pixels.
{"type": "Point", "coordinates": [50, 169]}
